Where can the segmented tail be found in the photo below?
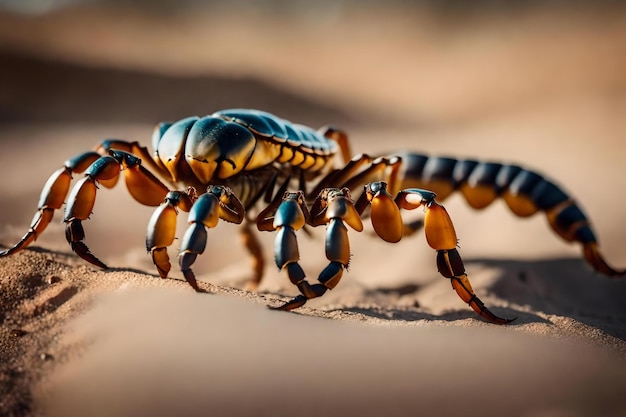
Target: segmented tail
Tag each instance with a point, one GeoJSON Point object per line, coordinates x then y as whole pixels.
{"type": "Point", "coordinates": [524, 191]}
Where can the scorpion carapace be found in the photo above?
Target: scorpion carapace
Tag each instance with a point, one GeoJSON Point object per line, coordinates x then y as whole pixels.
{"type": "Point", "coordinates": [252, 168]}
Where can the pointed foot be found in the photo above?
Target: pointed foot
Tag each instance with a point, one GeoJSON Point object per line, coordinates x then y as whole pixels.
{"type": "Point", "coordinates": [596, 260]}
{"type": "Point", "coordinates": [190, 277]}
{"type": "Point", "coordinates": [26, 240]}
{"type": "Point", "coordinates": [40, 222]}
{"type": "Point", "coordinates": [485, 313]}
{"type": "Point", "coordinates": [464, 290]}
{"type": "Point", "coordinates": [292, 304]}
{"type": "Point", "coordinates": [251, 286]}
{"type": "Point", "coordinates": [83, 251]}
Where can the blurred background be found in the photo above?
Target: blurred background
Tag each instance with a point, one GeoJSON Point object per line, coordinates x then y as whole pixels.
{"type": "Point", "coordinates": [536, 83]}
{"type": "Point", "coordinates": [427, 64]}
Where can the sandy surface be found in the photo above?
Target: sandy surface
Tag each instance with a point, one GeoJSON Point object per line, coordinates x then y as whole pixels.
{"type": "Point", "coordinates": [545, 90]}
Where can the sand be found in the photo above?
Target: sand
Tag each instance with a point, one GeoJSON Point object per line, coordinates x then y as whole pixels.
{"type": "Point", "coordinates": [393, 338]}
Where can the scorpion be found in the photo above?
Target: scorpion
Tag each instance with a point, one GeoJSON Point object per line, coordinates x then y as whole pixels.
{"type": "Point", "coordinates": [250, 167]}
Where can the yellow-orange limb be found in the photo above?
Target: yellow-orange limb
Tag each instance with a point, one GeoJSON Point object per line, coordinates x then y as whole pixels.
{"type": "Point", "coordinates": [384, 211]}
{"type": "Point", "coordinates": [380, 170]}
{"type": "Point", "coordinates": [161, 234]}
{"type": "Point", "coordinates": [450, 265]}
{"type": "Point", "coordinates": [386, 218]}
{"type": "Point", "coordinates": [340, 176]}
{"type": "Point", "coordinates": [144, 187]}
{"type": "Point", "coordinates": [81, 200]}
{"type": "Point", "coordinates": [161, 230]}
{"type": "Point", "coordinates": [231, 209]}
{"type": "Point", "coordinates": [252, 244]}
{"type": "Point", "coordinates": [52, 197]}
{"type": "Point", "coordinates": [40, 221]}
{"type": "Point", "coordinates": [341, 138]}
{"type": "Point", "coordinates": [440, 233]}
{"type": "Point", "coordinates": [133, 148]}
{"type": "Point", "coordinates": [80, 205]}
{"type": "Point", "coordinates": [463, 288]}
{"type": "Point", "coordinates": [361, 170]}
{"type": "Point", "coordinates": [441, 236]}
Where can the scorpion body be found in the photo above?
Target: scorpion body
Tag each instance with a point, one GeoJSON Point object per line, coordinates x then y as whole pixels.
{"type": "Point", "coordinates": [251, 167]}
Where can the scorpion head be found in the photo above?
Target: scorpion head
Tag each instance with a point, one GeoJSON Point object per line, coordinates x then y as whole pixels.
{"type": "Point", "coordinates": [216, 148]}
{"type": "Point", "coordinates": [209, 147]}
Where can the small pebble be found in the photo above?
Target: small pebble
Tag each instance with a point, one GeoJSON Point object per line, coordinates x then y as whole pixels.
{"type": "Point", "coordinates": [18, 332]}
{"type": "Point", "coordinates": [52, 279]}
{"type": "Point", "coordinates": [46, 357]}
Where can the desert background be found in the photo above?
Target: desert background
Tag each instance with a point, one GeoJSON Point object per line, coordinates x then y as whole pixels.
{"type": "Point", "coordinates": [538, 84]}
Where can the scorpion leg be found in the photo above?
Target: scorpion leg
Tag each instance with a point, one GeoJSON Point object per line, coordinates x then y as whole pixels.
{"type": "Point", "coordinates": [162, 228]}
{"type": "Point", "coordinates": [360, 170]}
{"type": "Point", "coordinates": [341, 138]}
{"type": "Point", "coordinates": [142, 185]}
{"type": "Point", "coordinates": [441, 236]}
{"type": "Point", "coordinates": [252, 244]}
{"type": "Point", "coordinates": [384, 211]}
{"type": "Point", "coordinates": [52, 197]}
{"type": "Point", "coordinates": [291, 214]}
{"type": "Point", "coordinates": [263, 223]}
{"type": "Point", "coordinates": [217, 203]}
{"type": "Point", "coordinates": [80, 205]}
{"type": "Point", "coordinates": [106, 146]}
{"type": "Point", "coordinates": [336, 210]}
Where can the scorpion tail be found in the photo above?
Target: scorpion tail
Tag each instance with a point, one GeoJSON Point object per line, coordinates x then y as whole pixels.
{"type": "Point", "coordinates": [528, 192]}
{"type": "Point", "coordinates": [594, 257]}
{"type": "Point", "coordinates": [525, 193]}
